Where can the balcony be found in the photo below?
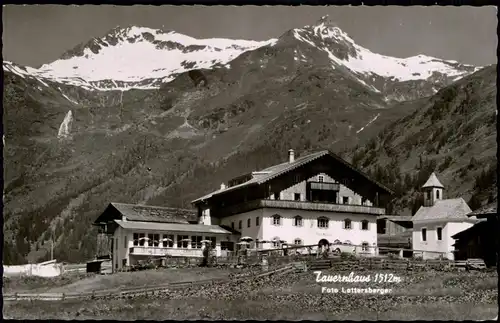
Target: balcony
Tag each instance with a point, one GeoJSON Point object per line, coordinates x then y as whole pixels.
{"type": "Point", "coordinates": [299, 205]}
{"type": "Point", "coordinates": [162, 252]}
{"type": "Point", "coordinates": [324, 186]}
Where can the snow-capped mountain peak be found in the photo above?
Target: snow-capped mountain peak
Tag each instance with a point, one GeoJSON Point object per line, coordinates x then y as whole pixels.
{"type": "Point", "coordinates": [144, 58]}
{"type": "Point", "coordinates": [344, 52]}
{"type": "Point", "coordinates": [141, 57]}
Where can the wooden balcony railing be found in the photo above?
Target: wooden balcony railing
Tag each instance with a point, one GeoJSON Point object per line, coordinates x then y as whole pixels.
{"type": "Point", "coordinates": [299, 205]}
{"type": "Point", "coordinates": [324, 186]}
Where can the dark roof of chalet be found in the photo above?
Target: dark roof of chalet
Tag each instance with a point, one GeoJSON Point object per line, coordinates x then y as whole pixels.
{"type": "Point", "coordinates": [262, 176]}
{"type": "Point", "coordinates": [488, 209]}
{"type": "Point", "coordinates": [147, 213]}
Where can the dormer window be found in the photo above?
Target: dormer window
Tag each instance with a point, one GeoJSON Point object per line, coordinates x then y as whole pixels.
{"type": "Point", "coordinates": [321, 179]}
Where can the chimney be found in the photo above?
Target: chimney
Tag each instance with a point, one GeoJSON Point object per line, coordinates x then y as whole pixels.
{"type": "Point", "coordinates": [291, 156]}
{"type": "Point", "coordinates": [222, 186]}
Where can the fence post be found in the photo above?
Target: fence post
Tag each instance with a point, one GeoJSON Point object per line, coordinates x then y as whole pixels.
{"type": "Point", "coordinates": [15, 296]}
{"type": "Point", "coordinates": [63, 296]}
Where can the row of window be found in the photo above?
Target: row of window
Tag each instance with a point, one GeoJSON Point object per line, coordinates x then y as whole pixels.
{"type": "Point", "coordinates": [439, 234]}
{"type": "Point", "coordinates": [299, 242]}
{"type": "Point", "coordinates": [249, 223]}
{"type": "Point", "coordinates": [297, 197]}
{"type": "Point", "coordinates": [167, 240]}
{"type": "Point", "coordinates": [298, 221]}
{"type": "Point", "coordinates": [322, 222]}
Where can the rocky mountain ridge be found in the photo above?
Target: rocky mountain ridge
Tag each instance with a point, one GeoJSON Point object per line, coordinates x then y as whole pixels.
{"type": "Point", "coordinates": [117, 61]}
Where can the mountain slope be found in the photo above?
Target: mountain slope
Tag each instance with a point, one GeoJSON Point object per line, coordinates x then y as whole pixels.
{"type": "Point", "coordinates": [453, 134]}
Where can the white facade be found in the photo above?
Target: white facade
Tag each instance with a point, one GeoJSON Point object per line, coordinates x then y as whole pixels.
{"type": "Point", "coordinates": [128, 251]}
{"type": "Point", "coordinates": [434, 247]}
{"type": "Point", "coordinates": [307, 232]}
{"type": "Point", "coordinates": [259, 224]}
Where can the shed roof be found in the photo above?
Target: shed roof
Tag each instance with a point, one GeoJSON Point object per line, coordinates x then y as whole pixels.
{"type": "Point", "coordinates": [450, 210]}
{"type": "Point", "coordinates": [488, 209]}
{"type": "Point", "coordinates": [264, 175]}
{"type": "Point", "coordinates": [396, 218]}
{"type": "Point", "coordinates": [399, 238]}
{"type": "Point", "coordinates": [433, 181]}
{"type": "Point", "coordinates": [135, 212]}
{"type": "Point", "coordinates": [172, 227]}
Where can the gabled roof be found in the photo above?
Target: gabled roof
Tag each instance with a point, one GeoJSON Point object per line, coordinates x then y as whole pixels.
{"type": "Point", "coordinates": [433, 181]}
{"type": "Point", "coordinates": [396, 218]}
{"type": "Point", "coordinates": [488, 209]}
{"type": "Point", "coordinates": [173, 227]}
{"type": "Point", "coordinates": [146, 213]}
{"type": "Point", "coordinates": [262, 176]}
{"type": "Point", "coordinates": [451, 210]}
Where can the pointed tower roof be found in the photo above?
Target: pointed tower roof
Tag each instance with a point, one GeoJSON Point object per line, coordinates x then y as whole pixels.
{"type": "Point", "coordinates": [433, 181]}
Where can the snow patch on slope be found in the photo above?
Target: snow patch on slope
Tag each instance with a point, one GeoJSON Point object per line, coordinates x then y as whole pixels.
{"type": "Point", "coordinates": [371, 121]}
{"type": "Point", "coordinates": [65, 127]}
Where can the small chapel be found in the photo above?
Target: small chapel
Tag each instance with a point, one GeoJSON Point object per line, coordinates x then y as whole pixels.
{"type": "Point", "coordinates": [438, 220]}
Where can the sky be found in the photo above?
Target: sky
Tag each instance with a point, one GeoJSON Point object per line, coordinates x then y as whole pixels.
{"type": "Point", "coordinates": [37, 34]}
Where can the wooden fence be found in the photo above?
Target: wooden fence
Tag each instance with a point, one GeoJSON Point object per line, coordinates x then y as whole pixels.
{"type": "Point", "coordinates": [399, 264]}
{"type": "Point", "coordinates": [143, 290]}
